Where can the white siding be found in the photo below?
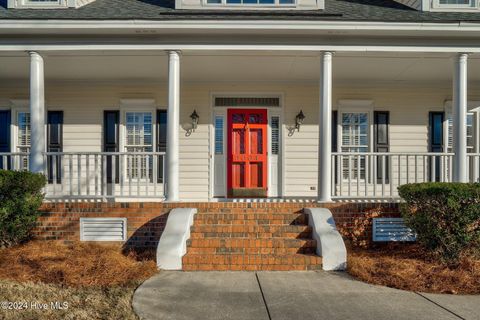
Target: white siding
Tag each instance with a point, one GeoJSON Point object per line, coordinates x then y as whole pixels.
{"type": "Point", "coordinates": [83, 105]}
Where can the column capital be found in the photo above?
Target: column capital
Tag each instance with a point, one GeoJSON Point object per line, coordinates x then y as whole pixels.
{"type": "Point", "coordinates": [35, 54]}
{"type": "Point", "coordinates": [174, 52]}
{"type": "Point", "coordinates": [327, 53]}
{"type": "Point", "coordinates": [462, 55]}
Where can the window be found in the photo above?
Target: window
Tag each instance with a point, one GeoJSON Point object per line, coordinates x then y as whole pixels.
{"type": "Point", "coordinates": [451, 5]}
{"type": "Point", "coordinates": [23, 136]}
{"type": "Point", "coordinates": [457, 3]}
{"type": "Point", "coordinates": [38, 4]}
{"type": "Point", "coordinates": [42, 1]}
{"type": "Point", "coordinates": [50, 4]}
{"type": "Point", "coordinates": [252, 2]}
{"type": "Point", "coordinates": [139, 138]}
{"type": "Point", "coordinates": [275, 134]}
{"type": "Point", "coordinates": [470, 133]}
{"type": "Point", "coordinates": [218, 134]}
{"type": "Point", "coordinates": [355, 138]}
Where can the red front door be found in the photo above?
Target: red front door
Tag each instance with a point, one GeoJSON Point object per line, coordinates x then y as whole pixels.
{"type": "Point", "coordinates": [247, 153]}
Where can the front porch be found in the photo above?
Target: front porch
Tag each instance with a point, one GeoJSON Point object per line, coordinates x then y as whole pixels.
{"type": "Point", "coordinates": [118, 130]}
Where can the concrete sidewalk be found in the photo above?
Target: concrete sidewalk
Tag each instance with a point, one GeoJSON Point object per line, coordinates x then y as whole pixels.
{"type": "Point", "coordinates": [289, 295]}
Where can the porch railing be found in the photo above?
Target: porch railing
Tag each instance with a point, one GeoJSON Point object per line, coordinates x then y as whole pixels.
{"type": "Point", "coordinates": [105, 174]}
{"type": "Point", "coordinates": [473, 167]}
{"type": "Point", "coordinates": [14, 161]}
{"type": "Point", "coordinates": [142, 175]}
{"type": "Point", "coordinates": [378, 175]}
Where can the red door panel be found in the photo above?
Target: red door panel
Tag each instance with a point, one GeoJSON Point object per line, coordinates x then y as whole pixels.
{"type": "Point", "coordinates": [247, 153]}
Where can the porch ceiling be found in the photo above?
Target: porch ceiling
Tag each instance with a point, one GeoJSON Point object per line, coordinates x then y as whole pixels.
{"type": "Point", "coordinates": [238, 67]}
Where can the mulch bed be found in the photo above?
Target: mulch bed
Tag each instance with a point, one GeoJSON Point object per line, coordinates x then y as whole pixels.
{"type": "Point", "coordinates": [77, 265]}
{"type": "Point", "coordinates": [408, 267]}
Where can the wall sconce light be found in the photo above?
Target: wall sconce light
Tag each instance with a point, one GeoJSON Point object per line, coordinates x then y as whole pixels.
{"type": "Point", "coordinates": [194, 116]}
{"type": "Point", "coordinates": [299, 120]}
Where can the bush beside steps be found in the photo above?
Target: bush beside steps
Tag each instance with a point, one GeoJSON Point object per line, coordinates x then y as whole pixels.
{"type": "Point", "coordinates": [445, 216]}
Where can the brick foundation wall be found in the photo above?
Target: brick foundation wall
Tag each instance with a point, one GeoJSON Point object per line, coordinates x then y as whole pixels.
{"type": "Point", "coordinates": [146, 221]}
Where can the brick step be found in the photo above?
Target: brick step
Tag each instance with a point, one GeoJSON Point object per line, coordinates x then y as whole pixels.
{"type": "Point", "coordinates": [210, 228]}
{"type": "Point", "coordinates": [250, 231]}
{"type": "Point", "coordinates": [251, 219]}
{"type": "Point", "coordinates": [249, 243]}
{"type": "Point", "coordinates": [265, 210]}
{"type": "Point", "coordinates": [251, 267]}
{"type": "Point", "coordinates": [232, 261]}
{"type": "Point", "coordinates": [261, 250]}
{"type": "Point", "coordinates": [251, 215]}
{"type": "Point", "coordinates": [250, 235]}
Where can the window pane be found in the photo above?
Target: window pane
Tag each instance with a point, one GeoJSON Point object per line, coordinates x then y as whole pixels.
{"type": "Point", "coordinates": [139, 138]}
{"type": "Point", "coordinates": [456, 2]}
{"type": "Point", "coordinates": [355, 138]}
{"type": "Point", "coordinates": [23, 137]}
{"type": "Point", "coordinates": [470, 132]}
{"type": "Point", "coordinates": [219, 135]}
{"type": "Point", "coordinates": [23, 129]}
{"type": "Point", "coordinates": [275, 134]}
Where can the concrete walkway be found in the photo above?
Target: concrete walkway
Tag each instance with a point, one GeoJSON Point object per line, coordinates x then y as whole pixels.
{"type": "Point", "coordinates": [289, 295]}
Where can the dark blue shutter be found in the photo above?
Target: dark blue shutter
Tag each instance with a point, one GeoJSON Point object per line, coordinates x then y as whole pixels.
{"type": "Point", "coordinates": [381, 123]}
{"type": "Point", "coordinates": [435, 135]}
{"type": "Point", "coordinates": [335, 142]}
{"type": "Point", "coordinates": [54, 143]}
{"type": "Point", "coordinates": [111, 121]}
{"type": "Point", "coordinates": [5, 121]}
{"type": "Point", "coordinates": [161, 140]}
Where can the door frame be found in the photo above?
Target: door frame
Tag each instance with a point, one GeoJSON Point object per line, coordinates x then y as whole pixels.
{"type": "Point", "coordinates": [223, 111]}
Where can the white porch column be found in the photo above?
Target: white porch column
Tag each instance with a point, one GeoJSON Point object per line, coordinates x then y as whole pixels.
{"type": "Point", "coordinates": [37, 113]}
{"type": "Point", "coordinates": [325, 129]}
{"type": "Point", "coordinates": [173, 126]}
{"type": "Point", "coordinates": [460, 118]}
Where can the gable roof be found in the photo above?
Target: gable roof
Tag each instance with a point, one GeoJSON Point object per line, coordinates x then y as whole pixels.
{"type": "Point", "coordinates": [339, 10]}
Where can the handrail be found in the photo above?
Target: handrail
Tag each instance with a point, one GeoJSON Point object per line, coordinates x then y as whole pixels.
{"type": "Point", "coordinates": [393, 154]}
{"type": "Point", "coordinates": [105, 153]}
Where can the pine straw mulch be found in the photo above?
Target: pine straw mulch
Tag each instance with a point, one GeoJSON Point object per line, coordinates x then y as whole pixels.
{"type": "Point", "coordinates": [76, 265]}
{"type": "Point", "coordinates": [408, 267]}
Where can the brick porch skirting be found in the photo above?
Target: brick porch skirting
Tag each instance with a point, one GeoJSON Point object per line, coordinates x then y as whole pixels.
{"type": "Point", "coordinates": [146, 220]}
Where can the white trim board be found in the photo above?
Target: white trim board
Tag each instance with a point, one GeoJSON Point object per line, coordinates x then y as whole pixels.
{"type": "Point", "coordinates": [86, 47]}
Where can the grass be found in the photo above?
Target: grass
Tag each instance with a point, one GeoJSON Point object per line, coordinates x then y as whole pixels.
{"type": "Point", "coordinates": [83, 303]}
{"type": "Point", "coordinates": [96, 281]}
{"type": "Point", "coordinates": [407, 267]}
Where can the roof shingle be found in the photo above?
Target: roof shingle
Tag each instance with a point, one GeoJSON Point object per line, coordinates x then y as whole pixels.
{"type": "Point", "coordinates": [343, 10]}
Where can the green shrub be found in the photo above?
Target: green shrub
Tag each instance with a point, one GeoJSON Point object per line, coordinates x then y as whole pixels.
{"type": "Point", "coordinates": [445, 216]}
{"type": "Point", "coordinates": [20, 198]}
